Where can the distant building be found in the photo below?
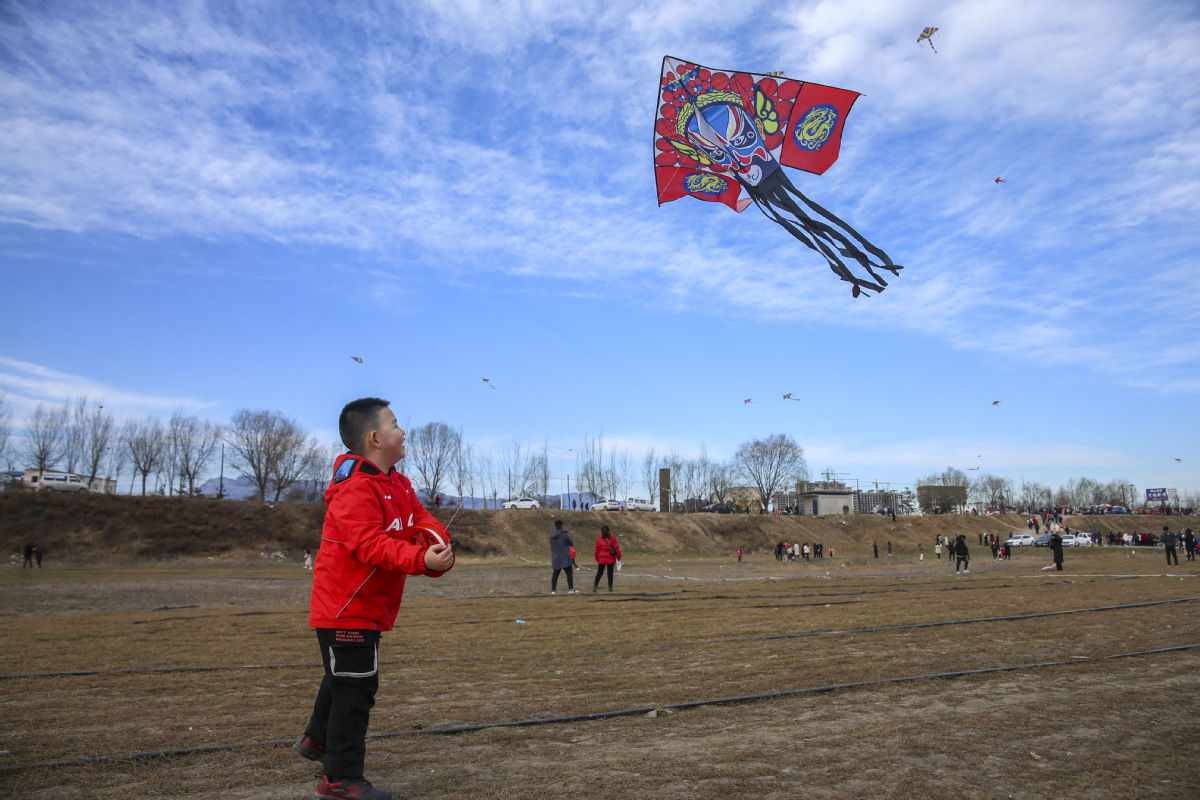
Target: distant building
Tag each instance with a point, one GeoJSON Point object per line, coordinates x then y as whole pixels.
{"type": "Point", "coordinates": [866, 502]}
{"type": "Point", "coordinates": [818, 498]}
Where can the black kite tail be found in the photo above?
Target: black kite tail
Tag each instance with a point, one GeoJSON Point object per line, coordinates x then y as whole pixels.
{"type": "Point", "coordinates": [782, 202]}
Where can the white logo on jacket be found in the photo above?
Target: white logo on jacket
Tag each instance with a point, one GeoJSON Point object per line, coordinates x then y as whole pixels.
{"type": "Point", "coordinates": [396, 526]}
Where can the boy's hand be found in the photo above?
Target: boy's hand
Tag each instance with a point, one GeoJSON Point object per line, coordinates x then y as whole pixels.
{"type": "Point", "coordinates": [439, 558]}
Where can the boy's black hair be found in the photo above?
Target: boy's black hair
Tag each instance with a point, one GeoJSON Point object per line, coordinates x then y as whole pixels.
{"type": "Point", "coordinates": [357, 419]}
{"type": "Point", "coordinates": [558, 523]}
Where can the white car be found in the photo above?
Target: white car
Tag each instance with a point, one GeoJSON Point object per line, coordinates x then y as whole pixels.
{"type": "Point", "coordinates": [606, 505]}
{"type": "Point", "coordinates": [1077, 540]}
{"type": "Point", "coordinates": [521, 502]}
{"type": "Point", "coordinates": [1021, 540]}
{"type": "Point", "coordinates": [638, 504]}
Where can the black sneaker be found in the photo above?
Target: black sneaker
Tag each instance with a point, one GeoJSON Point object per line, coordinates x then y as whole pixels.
{"type": "Point", "coordinates": [350, 789]}
{"type": "Point", "coordinates": [309, 749]}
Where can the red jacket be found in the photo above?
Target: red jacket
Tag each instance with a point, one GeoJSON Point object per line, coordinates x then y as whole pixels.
{"type": "Point", "coordinates": [603, 554]}
{"type": "Point", "coordinates": [376, 533]}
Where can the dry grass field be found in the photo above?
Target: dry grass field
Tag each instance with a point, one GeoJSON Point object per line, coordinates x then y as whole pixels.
{"type": "Point", "coordinates": [696, 678]}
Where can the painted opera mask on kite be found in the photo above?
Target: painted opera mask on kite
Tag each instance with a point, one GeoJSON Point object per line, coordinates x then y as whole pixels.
{"type": "Point", "coordinates": [719, 124]}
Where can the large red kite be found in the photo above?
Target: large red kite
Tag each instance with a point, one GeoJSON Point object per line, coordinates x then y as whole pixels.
{"type": "Point", "coordinates": [722, 136]}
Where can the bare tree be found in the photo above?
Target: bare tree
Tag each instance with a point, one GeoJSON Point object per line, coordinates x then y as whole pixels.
{"type": "Point", "coordinates": [771, 463]}
{"type": "Point", "coordinates": [44, 431]}
{"type": "Point", "coordinates": [268, 448]}
{"type": "Point", "coordinates": [463, 470]}
{"type": "Point", "coordinates": [720, 482]}
{"type": "Point", "coordinates": [1032, 495]}
{"type": "Point", "coordinates": [295, 458]}
{"type": "Point", "coordinates": [431, 452]}
{"type": "Point", "coordinates": [650, 475]}
{"type": "Point", "coordinates": [75, 415]}
{"type": "Point", "coordinates": [146, 445]}
{"type": "Point", "coordinates": [991, 490]}
{"type": "Point", "coordinates": [97, 426]}
{"type": "Point", "coordinates": [193, 443]}
{"type": "Point", "coordinates": [591, 466]}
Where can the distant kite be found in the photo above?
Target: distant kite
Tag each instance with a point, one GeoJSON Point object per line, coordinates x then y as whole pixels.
{"type": "Point", "coordinates": [927, 36]}
{"type": "Point", "coordinates": [489, 383]}
{"type": "Point", "coordinates": [995, 402]}
{"type": "Point", "coordinates": [1180, 460]}
{"type": "Point", "coordinates": [747, 401]}
{"type": "Point", "coordinates": [788, 396]}
{"type": "Point", "coordinates": [1001, 180]}
{"type": "Point", "coordinates": [357, 358]}
{"type": "Point", "coordinates": [972, 469]}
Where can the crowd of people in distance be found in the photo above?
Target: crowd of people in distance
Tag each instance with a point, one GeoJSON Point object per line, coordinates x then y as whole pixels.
{"type": "Point", "coordinates": [795, 551]}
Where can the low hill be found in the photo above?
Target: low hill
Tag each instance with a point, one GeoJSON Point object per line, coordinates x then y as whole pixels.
{"type": "Point", "coordinates": [82, 528]}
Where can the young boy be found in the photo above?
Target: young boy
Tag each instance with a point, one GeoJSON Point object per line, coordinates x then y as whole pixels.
{"type": "Point", "coordinates": [376, 532]}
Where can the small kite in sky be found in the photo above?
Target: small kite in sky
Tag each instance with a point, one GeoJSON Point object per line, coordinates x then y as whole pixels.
{"type": "Point", "coordinates": [995, 402]}
{"type": "Point", "coordinates": [788, 396]}
{"type": "Point", "coordinates": [724, 137]}
{"type": "Point", "coordinates": [927, 36]}
{"type": "Point", "coordinates": [1180, 460]}
{"type": "Point", "coordinates": [747, 401]}
{"type": "Point", "coordinates": [489, 383]}
{"type": "Point", "coordinates": [1001, 180]}
{"type": "Point", "coordinates": [357, 358]}
{"type": "Point", "coordinates": [972, 469]}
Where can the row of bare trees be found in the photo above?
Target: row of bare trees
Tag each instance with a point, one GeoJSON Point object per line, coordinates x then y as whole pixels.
{"type": "Point", "coordinates": [167, 458]}
{"type": "Point", "coordinates": [998, 493]}
{"type": "Point", "coordinates": [277, 455]}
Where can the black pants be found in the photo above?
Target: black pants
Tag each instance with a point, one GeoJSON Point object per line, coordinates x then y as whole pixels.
{"type": "Point", "coordinates": [1171, 554]}
{"type": "Point", "coordinates": [570, 579]}
{"type": "Point", "coordinates": [963, 563]}
{"type": "Point", "coordinates": [344, 701]}
{"type": "Point", "coordinates": [600, 572]}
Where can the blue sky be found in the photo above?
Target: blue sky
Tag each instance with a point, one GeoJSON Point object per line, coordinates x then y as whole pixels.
{"type": "Point", "coordinates": [212, 206]}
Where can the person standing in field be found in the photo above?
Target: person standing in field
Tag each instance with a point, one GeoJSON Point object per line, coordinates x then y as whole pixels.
{"type": "Point", "coordinates": [962, 555]}
{"type": "Point", "coordinates": [1169, 542]}
{"type": "Point", "coordinates": [1056, 547]}
{"type": "Point", "coordinates": [376, 533]}
{"type": "Point", "coordinates": [608, 553]}
{"type": "Point", "coordinates": [1189, 544]}
{"type": "Point", "coordinates": [561, 559]}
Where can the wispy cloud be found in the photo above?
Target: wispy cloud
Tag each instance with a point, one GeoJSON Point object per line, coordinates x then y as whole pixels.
{"type": "Point", "coordinates": [27, 385]}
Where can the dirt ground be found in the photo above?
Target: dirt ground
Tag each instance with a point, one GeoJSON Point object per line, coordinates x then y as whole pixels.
{"type": "Point", "coordinates": [696, 678]}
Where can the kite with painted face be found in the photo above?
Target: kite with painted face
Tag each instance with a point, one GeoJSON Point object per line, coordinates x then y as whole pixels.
{"type": "Point", "coordinates": [723, 136]}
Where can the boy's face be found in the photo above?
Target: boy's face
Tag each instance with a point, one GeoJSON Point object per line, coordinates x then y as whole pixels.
{"type": "Point", "coordinates": [391, 438]}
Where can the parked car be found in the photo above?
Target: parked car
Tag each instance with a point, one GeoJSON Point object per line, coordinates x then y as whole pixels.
{"type": "Point", "coordinates": [606, 505]}
{"type": "Point", "coordinates": [1077, 540]}
{"type": "Point", "coordinates": [521, 502]}
{"type": "Point", "coordinates": [1020, 540]}
{"type": "Point", "coordinates": [62, 482]}
{"type": "Point", "coordinates": [1042, 541]}
{"type": "Point", "coordinates": [638, 504]}
{"type": "Point", "coordinates": [718, 508]}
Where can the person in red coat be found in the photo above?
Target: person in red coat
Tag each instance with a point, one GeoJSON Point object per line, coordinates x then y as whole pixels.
{"type": "Point", "coordinates": [608, 553]}
{"type": "Point", "coordinates": [376, 533]}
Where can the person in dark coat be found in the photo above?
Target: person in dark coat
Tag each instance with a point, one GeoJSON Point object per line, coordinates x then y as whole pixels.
{"type": "Point", "coordinates": [1056, 549]}
{"type": "Point", "coordinates": [1169, 541]}
{"type": "Point", "coordinates": [560, 557]}
{"type": "Point", "coordinates": [962, 555]}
